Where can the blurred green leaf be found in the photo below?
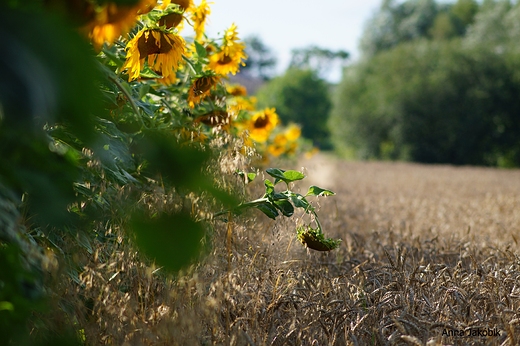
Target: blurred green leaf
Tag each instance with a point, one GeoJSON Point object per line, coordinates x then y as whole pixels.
{"type": "Point", "coordinates": [173, 241]}
{"type": "Point", "coordinates": [181, 166]}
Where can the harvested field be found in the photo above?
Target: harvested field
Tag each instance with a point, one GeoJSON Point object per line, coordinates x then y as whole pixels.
{"type": "Point", "coordinates": [430, 256]}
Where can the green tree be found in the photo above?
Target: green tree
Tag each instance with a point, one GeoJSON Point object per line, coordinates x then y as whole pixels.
{"type": "Point", "coordinates": [434, 102]}
{"type": "Point", "coordinates": [300, 96]}
{"type": "Point", "coordinates": [396, 23]}
{"type": "Point", "coordinates": [261, 61]}
{"type": "Point", "coordinates": [454, 20]}
{"type": "Point", "coordinates": [465, 11]}
{"type": "Point", "coordinates": [496, 27]}
{"type": "Point", "coordinates": [318, 59]}
{"type": "Point", "coordinates": [400, 22]}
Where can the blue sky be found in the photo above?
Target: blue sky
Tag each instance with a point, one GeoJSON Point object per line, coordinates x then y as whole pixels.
{"type": "Point", "coordinates": [287, 24]}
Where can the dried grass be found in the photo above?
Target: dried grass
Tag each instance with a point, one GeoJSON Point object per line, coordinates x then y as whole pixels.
{"type": "Point", "coordinates": [426, 250]}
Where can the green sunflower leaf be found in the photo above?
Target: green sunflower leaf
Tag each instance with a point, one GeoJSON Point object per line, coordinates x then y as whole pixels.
{"type": "Point", "coordinates": [286, 176]}
{"type": "Point", "coordinates": [300, 202]}
{"type": "Point", "coordinates": [268, 209]}
{"type": "Point", "coordinates": [201, 51]}
{"type": "Point", "coordinates": [248, 177]}
{"type": "Point", "coordinates": [269, 187]}
{"type": "Point", "coordinates": [318, 191]}
{"type": "Point", "coordinates": [285, 207]}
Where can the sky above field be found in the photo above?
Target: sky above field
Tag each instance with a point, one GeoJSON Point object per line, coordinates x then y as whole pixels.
{"type": "Point", "coordinates": [287, 24]}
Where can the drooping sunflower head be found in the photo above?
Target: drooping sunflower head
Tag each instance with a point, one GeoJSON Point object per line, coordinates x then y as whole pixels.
{"type": "Point", "coordinates": [183, 4]}
{"type": "Point", "coordinates": [163, 49]}
{"type": "Point", "coordinates": [201, 87]}
{"type": "Point", "coordinates": [262, 123]}
{"type": "Point", "coordinates": [214, 118]}
{"type": "Point", "coordinates": [171, 20]}
{"type": "Point", "coordinates": [314, 239]}
{"type": "Point", "coordinates": [174, 16]}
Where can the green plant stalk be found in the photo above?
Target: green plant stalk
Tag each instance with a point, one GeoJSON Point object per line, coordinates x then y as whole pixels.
{"type": "Point", "coordinates": [250, 204]}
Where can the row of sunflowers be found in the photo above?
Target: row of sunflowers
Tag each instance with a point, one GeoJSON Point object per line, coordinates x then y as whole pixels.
{"type": "Point", "coordinates": [121, 133]}
{"type": "Point", "coordinates": [142, 43]}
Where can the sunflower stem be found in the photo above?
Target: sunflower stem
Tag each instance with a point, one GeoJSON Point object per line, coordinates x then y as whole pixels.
{"type": "Point", "coordinates": [190, 64]}
{"type": "Point", "coordinates": [250, 204]}
{"type": "Point", "coordinates": [128, 97]}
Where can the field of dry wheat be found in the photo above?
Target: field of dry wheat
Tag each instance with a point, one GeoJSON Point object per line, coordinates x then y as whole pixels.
{"type": "Point", "coordinates": [429, 256]}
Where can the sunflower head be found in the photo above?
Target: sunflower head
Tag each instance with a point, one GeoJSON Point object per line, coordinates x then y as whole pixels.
{"type": "Point", "coordinates": [236, 90]}
{"type": "Point", "coordinates": [230, 55]}
{"type": "Point", "coordinates": [183, 4]}
{"type": "Point", "coordinates": [214, 118]}
{"type": "Point", "coordinates": [112, 21]}
{"type": "Point", "coordinates": [262, 123]}
{"type": "Point", "coordinates": [314, 239]}
{"type": "Point", "coordinates": [293, 132]}
{"type": "Point", "coordinates": [171, 20]}
{"type": "Point", "coordinates": [277, 148]}
{"type": "Point", "coordinates": [201, 88]}
{"type": "Point", "coordinates": [157, 44]}
{"type": "Point", "coordinates": [199, 17]}
{"type": "Point", "coordinates": [163, 49]}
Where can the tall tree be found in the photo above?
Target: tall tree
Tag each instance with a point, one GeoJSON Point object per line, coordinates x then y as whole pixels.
{"type": "Point", "coordinates": [300, 96]}
{"type": "Point", "coordinates": [494, 25]}
{"type": "Point", "coordinates": [434, 102]}
{"type": "Point", "coordinates": [399, 22]}
{"type": "Point", "coordinates": [261, 62]}
{"type": "Point", "coordinates": [321, 60]}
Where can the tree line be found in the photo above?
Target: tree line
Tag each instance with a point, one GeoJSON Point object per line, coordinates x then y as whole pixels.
{"type": "Point", "coordinates": [437, 83]}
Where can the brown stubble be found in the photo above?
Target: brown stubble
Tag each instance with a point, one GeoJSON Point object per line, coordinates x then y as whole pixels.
{"type": "Point", "coordinates": [425, 249]}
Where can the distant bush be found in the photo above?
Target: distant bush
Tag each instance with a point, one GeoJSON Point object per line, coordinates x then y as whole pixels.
{"type": "Point", "coordinates": [300, 96]}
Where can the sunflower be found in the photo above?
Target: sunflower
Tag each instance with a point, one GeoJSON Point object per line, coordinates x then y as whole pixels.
{"type": "Point", "coordinates": [238, 104]}
{"type": "Point", "coordinates": [174, 19]}
{"type": "Point", "coordinates": [236, 90]}
{"type": "Point", "coordinates": [112, 21]}
{"type": "Point", "coordinates": [201, 88]}
{"type": "Point", "coordinates": [171, 20]}
{"type": "Point", "coordinates": [309, 154]}
{"type": "Point", "coordinates": [187, 136]}
{"type": "Point", "coordinates": [293, 132]}
{"type": "Point", "coordinates": [223, 63]}
{"type": "Point", "coordinates": [285, 143]}
{"type": "Point", "coordinates": [277, 148]}
{"type": "Point", "coordinates": [199, 17]}
{"type": "Point", "coordinates": [231, 54]}
{"type": "Point", "coordinates": [163, 49]}
{"type": "Point", "coordinates": [183, 4]}
{"type": "Point", "coordinates": [214, 118]}
{"type": "Point", "coordinates": [261, 124]}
